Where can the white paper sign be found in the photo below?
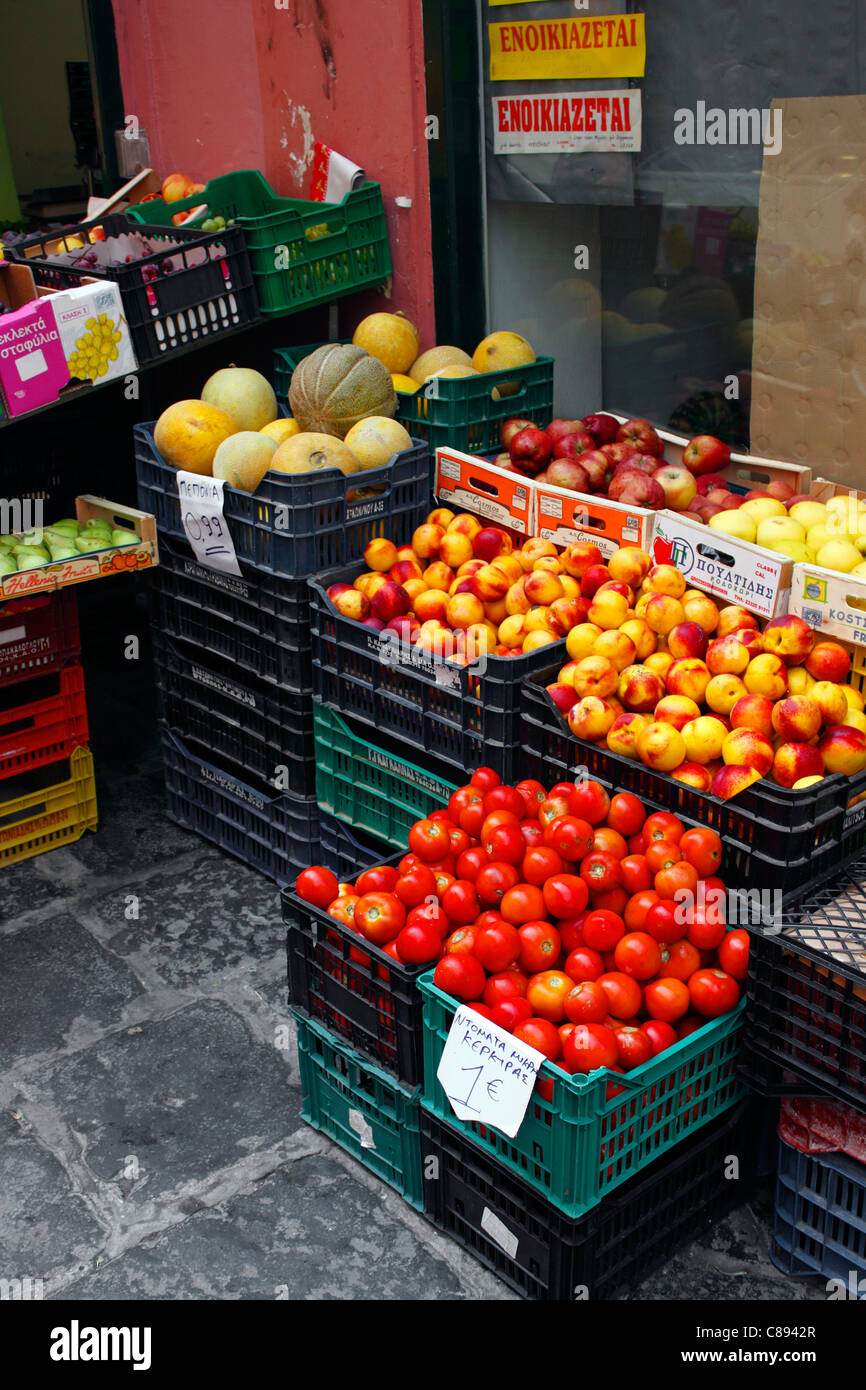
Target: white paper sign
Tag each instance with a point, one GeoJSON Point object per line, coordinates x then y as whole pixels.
{"type": "Point", "coordinates": [487, 1074]}
{"type": "Point", "coordinates": [567, 122]}
{"type": "Point", "coordinates": [201, 511]}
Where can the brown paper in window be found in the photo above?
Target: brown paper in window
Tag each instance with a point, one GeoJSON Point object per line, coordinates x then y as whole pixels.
{"type": "Point", "coordinates": [809, 358]}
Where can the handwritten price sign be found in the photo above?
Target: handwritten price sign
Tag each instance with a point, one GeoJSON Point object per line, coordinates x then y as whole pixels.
{"type": "Point", "coordinates": [201, 511]}
{"type": "Point", "coordinates": [486, 1073]}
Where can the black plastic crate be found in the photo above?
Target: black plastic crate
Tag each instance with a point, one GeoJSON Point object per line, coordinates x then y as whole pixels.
{"type": "Point", "coordinates": [264, 729]}
{"type": "Point", "coordinates": [253, 621]}
{"type": "Point", "coordinates": [361, 995]}
{"type": "Point", "coordinates": [778, 838]}
{"type": "Point", "coordinates": [201, 285]}
{"type": "Point", "coordinates": [295, 525]}
{"type": "Point", "coordinates": [545, 1255]}
{"type": "Point", "coordinates": [820, 1218]}
{"type": "Point", "coordinates": [273, 832]}
{"type": "Point", "coordinates": [806, 1018]}
{"type": "Point", "coordinates": [460, 718]}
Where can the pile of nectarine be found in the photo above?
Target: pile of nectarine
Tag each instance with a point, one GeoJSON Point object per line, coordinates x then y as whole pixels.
{"type": "Point", "coordinates": [661, 674]}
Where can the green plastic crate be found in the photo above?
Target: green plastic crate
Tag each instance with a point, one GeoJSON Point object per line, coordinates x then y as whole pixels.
{"type": "Point", "coordinates": [366, 786]}
{"type": "Point", "coordinates": [361, 1108]}
{"type": "Point", "coordinates": [460, 412]}
{"type": "Point", "coordinates": [576, 1142]}
{"type": "Point", "coordinates": [301, 253]}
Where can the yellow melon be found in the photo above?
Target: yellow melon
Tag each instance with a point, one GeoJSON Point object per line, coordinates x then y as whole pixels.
{"type": "Point", "coordinates": [454, 372]}
{"type": "Point", "coordinates": [500, 350]}
{"type": "Point", "coordinates": [244, 394]}
{"type": "Point", "coordinates": [244, 458]}
{"type": "Point", "coordinates": [375, 440]}
{"type": "Point", "coordinates": [310, 452]}
{"type": "Point", "coordinates": [435, 358]}
{"type": "Point", "coordinates": [189, 433]}
{"type": "Point", "coordinates": [281, 430]}
{"type": "Point", "coordinates": [404, 383]}
{"type": "Point", "coordinates": [390, 337]}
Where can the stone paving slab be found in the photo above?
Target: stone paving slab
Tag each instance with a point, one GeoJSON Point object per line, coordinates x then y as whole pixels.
{"type": "Point", "coordinates": [57, 982]}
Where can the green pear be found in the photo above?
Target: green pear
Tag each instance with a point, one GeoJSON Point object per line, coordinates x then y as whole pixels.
{"type": "Point", "coordinates": [32, 538]}
{"type": "Point", "coordinates": [121, 535]}
{"type": "Point", "coordinates": [30, 557]}
{"type": "Point", "coordinates": [8, 542]}
{"type": "Point", "coordinates": [96, 523]}
{"type": "Point", "coordinates": [7, 564]}
{"type": "Point", "coordinates": [84, 544]}
{"type": "Point", "coordinates": [63, 550]}
{"type": "Point", "coordinates": [67, 524]}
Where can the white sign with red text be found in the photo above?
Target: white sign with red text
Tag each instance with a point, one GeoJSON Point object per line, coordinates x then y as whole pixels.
{"type": "Point", "coordinates": [567, 123]}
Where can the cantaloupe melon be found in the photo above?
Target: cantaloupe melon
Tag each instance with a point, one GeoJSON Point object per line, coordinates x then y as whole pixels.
{"type": "Point", "coordinates": [244, 458]}
{"type": "Point", "coordinates": [313, 452]}
{"type": "Point", "coordinates": [376, 439]}
{"type": "Point", "coordinates": [244, 394]}
{"type": "Point", "coordinates": [435, 358]}
{"type": "Point", "coordinates": [189, 433]}
{"type": "Point", "coordinates": [389, 337]}
{"type": "Point", "coordinates": [336, 386]}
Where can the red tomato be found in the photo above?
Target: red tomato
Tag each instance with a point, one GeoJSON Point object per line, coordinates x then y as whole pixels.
{"type": "Point", "coordinates": [460, 799]}
{"type": "Point", "coordinates": [497, 946]}
{"type": "Point", "coordinates": [679, 879]}
{"type": "Point", "coordinates": [460, 841]}
{"type": "Point", "coordinates": [666, 999]}
{"type": "Point", "coordinates": [638, 955]}
{"type": "Point", "coordinates": [713, 992]}
{"type": "Point", "coordinates": [547, 991]}
{"type": "Point", "coordinates": [565, 895]}
{"type": "Point", "coordinates": [443, 880]}
{"type": "Point", "coordinates": [461, 942]}
{"type": "Point", "coordinates": [660, 854]}
{"type": "Point", "coordinates": [690, 1024]}
{"type": "Point", "coordinates": [344, 909]}
{"type": "Point", "coordinates": [609, 842]}
{"type": "Point", "coordinates": [432, 915]}
{"type": "Point", "coordinates": [429, 839]}
{"type": "Point", "coordinates": [495, 819]}
{"type": "Point", "coordinates": [636, 844]}
{"type": "Point", "coordinates": [522, 903]}
{"type": "Point", "coordinates": [663, 825]}
{"type": "Point", "coordinates": [586, 1003]}
{"type": "Point", "coordinates": [540, 946]}
{"type": "Point", "coordinates": [460, 976]}
{"type": "Point", "coordinates": [533, 835]}
{"type": "Point", "coordinates": [571, 932]}
{"type": "Point", "coordinates": [485, 778]}
{"type": "Point", "coordinates": [506, 984]}
{"type": "Point", "coordinates": [734, 953]}
{"type": "Point", "coordinates": [488, 918]}
{"type": "Point", "coordinates": [583, 964]}
{"type": "Point", "coordinates": [470, 861]}
{"type": "Point", "coordinates": [626, 814]}
{"type": "Point", "coordinates": [636, 874]}
{"type": "Point", "coordinates": [505, 844]}
{"type": "Point", "coordinates": [379, 917]}
{"type": "Point", "coordinates": [415, 886]}
{"type": "Point", "coordinates": [540, 864]}
{"type": "Point", "coordinates": [624, 994]}
{"type": "Point", "coordinates": [470, 816]}
{"type": "Point", "coordinates": [318, 886]}
{"type": "Point", "coordinates": [409, 862]}
{"type": "Point", "coordinates": [601, 871]}
{"type": "Point", "coordinates": [602, 930]}
{"type": "Point", "coordinates": [562, 789]}
{"type": "Point", "coordinates": [494, 881]}
{"type": "Point", "coordinates": [551, 808]}
{"type": "Point", "coordinates": [570, 837]}
{"type": "Point", "coordinates": [504, 799]}
{"type": "Point", "coordinates": [614, 901]}
{"type": "Point", "coordinates": [483, 1010]}
{"type": "Point", "coordinates": [540, 1034]}
{"type": "Point", "coordinates": [660, 1034]}
{"type": "Point", "coordinates": [446, 865]}
{"type": "Point", "coordinates": [637, 908]}
{"type": "Point", "coordinates": [591, 1046]}
{"type": "Point", "coordinates": [533, 794]}
{"type": "Point", "coordinates": [418, 944]}
{"type": "Point", "coordinates": [590, 801]}
{"type": "Point", "coordinates": [702, 848]}
{"type": "Point", "coordinates": [442, 814]}
{"type": "Point", "coordinates": [633, 1047]}
{"type": "Point", "coordinates": [511, 1012]}
{"type": "Point", "coordinates": [390, 950]}
{"type": "Point", "coordinates": [460, 902]}
{"type": "Point", "coordinates": [379, 880]}
{"type": "Point", "coordinates": [665, 922]}
{"type": "Point", "coordinates": [680, 962]}
{"type": "Point", "coordinates": [704, 931]}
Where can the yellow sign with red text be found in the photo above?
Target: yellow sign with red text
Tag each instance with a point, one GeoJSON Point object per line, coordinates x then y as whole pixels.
{"type": "Point", "coordinates": [568, 48]}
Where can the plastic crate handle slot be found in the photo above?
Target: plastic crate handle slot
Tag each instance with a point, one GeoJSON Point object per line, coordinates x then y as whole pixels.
{"type": "Point", "coordinates": [335, 225]}
{"type": "Point", "coordinates": [12, 634]}
{"type": "Point", "coordinates": [25, 813]}
{"type": "Point", "coordinates": [716, 557]}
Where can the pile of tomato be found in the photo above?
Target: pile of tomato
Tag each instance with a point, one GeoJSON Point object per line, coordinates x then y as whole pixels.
{"type": "Point", "coordinates": [586, 927]}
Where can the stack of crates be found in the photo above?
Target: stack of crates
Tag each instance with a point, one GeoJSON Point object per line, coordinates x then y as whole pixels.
{"type": "Point", "coordinates": [804, 1043]}
{"type": "Point", "coordinates": [47, 788]}
{"type": "Point", "coordinates": [233, 652]}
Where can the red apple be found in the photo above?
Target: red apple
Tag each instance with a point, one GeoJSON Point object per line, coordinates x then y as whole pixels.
{"type": "Point", "coordinates": [617, 452]}
{"type": "Point", "coordinates": [571, 446]}
{"type": "Point", "coordinates": [638, 463]}
{"type": "Point", "coordinates": [678, 484]}
{"type": "Point", "coordinates": [798, 497]}
{"type": "Point", "coordinates": [603, 428]}
{"type": "Point", "coordinates": [558, 429]}
{"type": "Point", "coordinates": [530, 449]}
{"type": "Point", "coordinates": [706, 454]}
{"type": "Point", "coordinates": [509, 428]}
{"type": "Point", "coordinates": [640, 491]}
{"type": "Point", "coordinates": [642, 437]}
{"type": "Point", "coordinates": [728, 501]}
{"type": "Point", "coordinates": [596, 466]}
{"type": "Point", "coordinates": [708, 481]}
{"type": "Point", "coordinates": [568, 473]}
{"type": "Point", "coordinates": [783, 492]}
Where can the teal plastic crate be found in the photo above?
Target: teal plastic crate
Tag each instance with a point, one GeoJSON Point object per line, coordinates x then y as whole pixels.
{"type": "Point", "coordinates": [301, 252]}
{"type": "Point", "coordinates": [576, 1142]}
{"type": "Point", "coordinates": [369, 1114]}
{"type": "Point", "coordinates": [368, 787]}
{"type": "Point", "coordinates": [460, 412]}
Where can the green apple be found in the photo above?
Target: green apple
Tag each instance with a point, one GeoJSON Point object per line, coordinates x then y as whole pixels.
{"type": "Point", "coordinates": [30, 557]}
{"type": "Point", "coordinates": [121, 535]}
{"type": "Point", "coordinates": [84, 544]}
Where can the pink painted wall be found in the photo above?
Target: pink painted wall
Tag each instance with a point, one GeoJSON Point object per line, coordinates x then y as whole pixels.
{"type": "Point", "coordinates": [235, 84]}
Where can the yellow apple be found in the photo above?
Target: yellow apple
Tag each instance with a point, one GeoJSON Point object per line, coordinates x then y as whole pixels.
{"type": "Point", "coordinates": [838, 555]}
{"type": "Point", "coordinates": [816, 536]}
{"type": "Point", "coordinates": [780, 528]}
{"type": "Point", "coordinates": [761, 507]}
{"type": "Point", "coordinates": [793, 550]}
{"type": "Point", "coordinates": [734, 523]}
{"type": "Point", "coordinates": [809, 513]}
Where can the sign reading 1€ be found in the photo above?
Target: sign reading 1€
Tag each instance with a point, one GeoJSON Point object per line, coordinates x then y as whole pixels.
{"type": "Point", "coordinates": [487, 1074]}
{"type": "Point", "coordinates": [614, 46]}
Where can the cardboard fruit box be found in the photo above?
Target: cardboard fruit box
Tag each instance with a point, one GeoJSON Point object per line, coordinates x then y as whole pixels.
{"type": "Point", "coordinates": [726, 567]}
{"type": "Point", "coordinates": [467, 483]}
{"type": "Point", "coordinates": [830, 601]}
{"type": "Point", "coordinates": [95, 564]}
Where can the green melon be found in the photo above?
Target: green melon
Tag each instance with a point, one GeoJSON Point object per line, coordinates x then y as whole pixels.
{"type": "Point", "coordinates": [336, 386]}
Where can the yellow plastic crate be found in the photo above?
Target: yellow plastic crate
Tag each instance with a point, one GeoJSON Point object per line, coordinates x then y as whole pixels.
{"type": "Point", "coordinates": [51, 816]}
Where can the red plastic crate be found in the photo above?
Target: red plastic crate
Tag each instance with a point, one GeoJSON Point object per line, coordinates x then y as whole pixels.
{"type": "Point", "coordinates": [45, 727]}
{"type": "Point", "coordinates": [823, 1126]}
{"type": "Point", "coordinates": [38, 634]}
